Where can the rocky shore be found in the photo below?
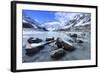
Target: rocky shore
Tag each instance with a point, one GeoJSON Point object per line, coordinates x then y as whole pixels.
{"type": "Point", "coordinates": [77, 48]}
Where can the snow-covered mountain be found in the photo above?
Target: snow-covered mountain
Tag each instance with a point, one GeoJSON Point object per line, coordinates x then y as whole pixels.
{"type": "Point", "coordinates": [80, 20]}
{"type": "Point", "coordinates": [83, 19]}
{"type": "Point", "coordinates": [50, 26]}
{"type": "Point", "coordinates": [30, 23]}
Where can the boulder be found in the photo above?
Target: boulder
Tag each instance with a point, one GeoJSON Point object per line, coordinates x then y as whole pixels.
{"type": "Point", "coordinates": [59, 43]}
{"type": "Point", "coordinates": [34, 40]}
{"type": "Point", "coordinates": [67, 46]}
{"type": "Point", "coordinates": [79, 41]}
{"type": "Point", "coordinates": [58, 53]}
{"type": "Point", "coordinates": [74, 35]}
{"type": "Point", "coordinates": [31, 50]}
{"type": "Point", "coordinates": [30, 40]}
{"type": "Point", "coordinates": [71, 41]}
{"type": "Point", "coordinates": [37, 40]}
{"type": "Point", "coordinates": [49, 39]}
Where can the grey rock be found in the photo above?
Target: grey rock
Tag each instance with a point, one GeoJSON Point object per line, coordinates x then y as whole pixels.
{"type": "Point", "coordinates": [59, 43]}
{"type": "Point", "coordinates": [58, 53]}
{"type": "Point", "coordinates": [79, 41]}
{"type": "Point", "coordinates": [34, 40]}
{"type": "Point", "coordinates": [49, 39]}
{"type": "Point", "coordinates": [74, 35]}
{"type": "Point", "coordinates": [68, 46]}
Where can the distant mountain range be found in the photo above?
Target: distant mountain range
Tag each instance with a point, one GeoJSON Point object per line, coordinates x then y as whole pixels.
{"type": "Point", "coordinates": [80, 21]}
{"type": "Point", "coordinates": [30, 23]}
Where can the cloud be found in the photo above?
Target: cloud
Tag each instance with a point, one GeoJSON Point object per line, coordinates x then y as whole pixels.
{"type": "Point", "coordinates": [61, 19]}
{"type": "Point", "coordinates": [52, 25]}
{"type": "Point", "coordinates": [64, 17]}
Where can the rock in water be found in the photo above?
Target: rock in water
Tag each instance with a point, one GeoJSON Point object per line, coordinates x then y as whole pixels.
{"type": "Point", "coordinates": [34, 40]}
{"type": "Point", "coordinates": [59, 43]}
{"type": "Point", "coordinates": [67, 46]}
{"type": "Point", "coordinates": [58, 53]}
{"type": "Point", "coordinates": [73, 35]}
{"type": "Point", "coordinates": [32, 49]}
{"type": "Point", "coordinates": [49, 39]}
{"type": "Point", "coordinates": [79, 41]}
{"type": "Point", "coordinates": [30, 40]}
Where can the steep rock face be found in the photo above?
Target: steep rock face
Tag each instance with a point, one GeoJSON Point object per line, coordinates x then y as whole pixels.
{"type": "Point", "coordinates": [27, 25]}
{"type": "Point", "coordinates": [30, 23]}
{"type": "Point", "coordinates": [79, 21]}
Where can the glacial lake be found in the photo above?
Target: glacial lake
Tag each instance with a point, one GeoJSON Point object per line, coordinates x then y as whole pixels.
{"type": "Point", "coordinates": [82, 51]}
